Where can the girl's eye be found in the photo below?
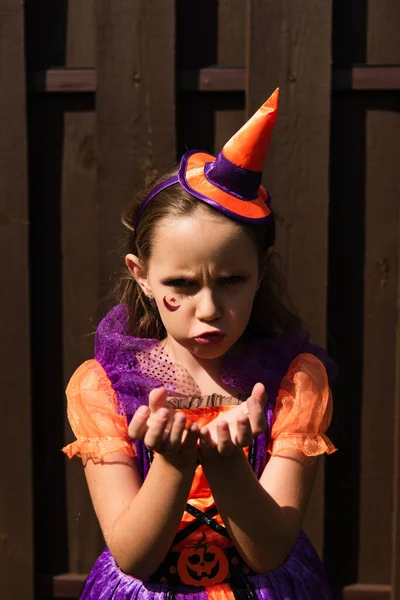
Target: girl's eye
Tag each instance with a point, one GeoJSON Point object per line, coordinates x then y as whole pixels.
{"type": "Point", "coordinates": [233, 279]}
{"type": "Point", "coordinates": [180, 283]}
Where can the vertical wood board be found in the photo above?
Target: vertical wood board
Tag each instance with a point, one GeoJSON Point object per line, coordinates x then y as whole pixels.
{"type": "Point", "coordinates": [383, 42]}
{"type": "Point", "coordinates": [288, 46]}
{"type": "Point", "coordinates": [16, 515]}
{"type": "Point", "coordinates": [231, 33]}
{"type": "Point", "coordinates": [380, 305]}
{"type": "Point", "coordinates": [380, 319]}
{"type": "Point", "coordinates": [79, 217]}
{"type": "Point", "coordinates": [135, 110]}
{"type": "Point", "coordinates": [231, 46]}
{"type": "Point", "coordinates": [81, 34]}
{"type": "Point", "coordinates": [395, 576]}
{"type": "Point", "coordinates": [79, 240]}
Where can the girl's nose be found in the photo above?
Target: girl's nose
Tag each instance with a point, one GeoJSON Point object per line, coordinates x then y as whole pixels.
{"type": "Point", "coordinates": [208, 308]}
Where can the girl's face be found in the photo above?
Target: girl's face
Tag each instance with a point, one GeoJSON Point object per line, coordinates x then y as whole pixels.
{"type": "Point", "coordinates": [203, 274]}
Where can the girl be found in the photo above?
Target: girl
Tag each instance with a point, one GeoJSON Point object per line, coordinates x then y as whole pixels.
{"type": "Point", "coordinates": [201, 417]}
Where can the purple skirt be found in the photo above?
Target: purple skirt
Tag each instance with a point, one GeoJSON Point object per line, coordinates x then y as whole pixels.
{"type": "Point", "coordinates": [301, 577]}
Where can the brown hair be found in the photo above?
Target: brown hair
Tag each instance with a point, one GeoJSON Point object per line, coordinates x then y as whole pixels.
{"type": "Point", "coordinates": [271, 313]}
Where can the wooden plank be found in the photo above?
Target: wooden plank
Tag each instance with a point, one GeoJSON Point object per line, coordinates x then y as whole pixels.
{"type": "Point", "coordinates": [289, 46]}
{"type": "Point", "coordinates": [396, 474]}
{"type": "Point", "coordinates": [229, 113]}
{"type": "Point", "coordinates": [380, 306]}
{"type": "Point", "coordinates": [231, 33]}
{"type": "Point", "coordinates": [216, 79]}
{"type": "Point", "coordinates": [360, 591]}
{"type": "Point", "coordinates": [383, 44]}
{"type": "Point", "coordinates": [212, 79]}
{"type": "Point", "coordinates": [79, 229]}
{"type": "Point", "coordinates": [380, 318]}
{"type": "Point", "coordinates": [79, 218]}
{"type": "Point", "coordinates": [81, 34]}
{"type": "Point", "coordinates": [367, 78]}
{"type": "Point", "coordinates": [135, 109]}
{"type": "Point", "coordinates": [64, 80]}
{"type": "Point", "coordinates": [16, 514]}
{"type": "Point", "coordinates": [68, 585]}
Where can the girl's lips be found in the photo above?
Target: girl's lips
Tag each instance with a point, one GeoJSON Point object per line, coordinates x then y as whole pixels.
{"type": "Point", "coordinates": [210, 339]}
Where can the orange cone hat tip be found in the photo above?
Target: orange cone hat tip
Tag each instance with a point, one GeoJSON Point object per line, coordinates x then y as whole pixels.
{"type": "Point", "coordinates": [231, 181]}
{"type": "Point", "coordinates": [248, 148]}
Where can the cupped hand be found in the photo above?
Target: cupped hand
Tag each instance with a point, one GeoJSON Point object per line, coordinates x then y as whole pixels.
{"type": "Point", "coordinates": [163, 430]}
{"type": "Point", "coordinates": [237, 427]}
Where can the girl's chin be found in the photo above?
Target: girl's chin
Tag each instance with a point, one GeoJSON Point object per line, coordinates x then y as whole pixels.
{"type": "Point", "coordinates": [210, 350]}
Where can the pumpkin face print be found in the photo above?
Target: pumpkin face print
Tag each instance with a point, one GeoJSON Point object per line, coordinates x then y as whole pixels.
{"type": "Point", "coordinates": [203, 564]}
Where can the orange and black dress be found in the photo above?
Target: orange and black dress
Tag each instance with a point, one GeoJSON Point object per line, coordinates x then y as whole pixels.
{"type": "Point", "coordinates": [203, 562]}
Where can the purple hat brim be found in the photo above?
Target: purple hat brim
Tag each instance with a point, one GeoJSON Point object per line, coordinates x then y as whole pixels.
{"type": "Point", "coordinates": [212, 202]}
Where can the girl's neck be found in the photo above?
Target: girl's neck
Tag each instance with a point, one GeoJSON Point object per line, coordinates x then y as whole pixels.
{"type": "Point", "coordinates": [198, 368]}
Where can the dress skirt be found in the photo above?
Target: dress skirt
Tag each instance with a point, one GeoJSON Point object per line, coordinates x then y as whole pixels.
{"type": "Point", "coordinates": [301, 577]}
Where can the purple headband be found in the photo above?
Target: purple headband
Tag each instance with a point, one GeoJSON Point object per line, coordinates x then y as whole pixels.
{"type": "Point", "coordinates": [159, 188]}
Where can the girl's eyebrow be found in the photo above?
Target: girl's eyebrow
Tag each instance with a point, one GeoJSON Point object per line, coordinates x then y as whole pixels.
{"type": "Point", "coordinates": [242, 272]}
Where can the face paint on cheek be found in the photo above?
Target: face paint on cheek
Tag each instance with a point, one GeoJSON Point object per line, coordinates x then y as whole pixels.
{"type": "Point", "coordinates": [171, 304]}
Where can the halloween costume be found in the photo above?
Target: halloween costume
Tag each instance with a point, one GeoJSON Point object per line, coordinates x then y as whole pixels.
{"type": "Point", "coordinates": [104, 393]}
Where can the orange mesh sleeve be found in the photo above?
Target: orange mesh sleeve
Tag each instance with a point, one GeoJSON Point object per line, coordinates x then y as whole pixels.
{"type": "Point", "coordinates": [303, 409]}
{"type": "Point", "coordinates": [93, 415]}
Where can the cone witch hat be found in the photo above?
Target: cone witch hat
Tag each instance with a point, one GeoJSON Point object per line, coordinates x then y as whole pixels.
{"type": "Point", "coordinates": [231, 182]}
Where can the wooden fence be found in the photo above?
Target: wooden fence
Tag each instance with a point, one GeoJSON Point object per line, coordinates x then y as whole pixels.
{"type": "Point", "coordinates": [96, 96]}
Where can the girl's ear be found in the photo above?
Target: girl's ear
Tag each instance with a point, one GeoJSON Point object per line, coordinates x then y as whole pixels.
{"type": "Point", "coordinates": [138, 272]}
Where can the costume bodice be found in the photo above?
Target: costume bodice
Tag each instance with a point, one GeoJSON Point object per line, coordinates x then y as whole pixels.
{"type": "Point", "coordinates": [135, 366]}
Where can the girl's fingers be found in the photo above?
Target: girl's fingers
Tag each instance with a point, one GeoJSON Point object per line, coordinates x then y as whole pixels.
{"type": "Point", "coordinates": [138, 425]}
{"type": "Point", "coordinates": [244, 435]}
{"type": "Point", "coordinates": [157, 399]}
{"type": "Point", "coordinates": [205, 438]}
{"type": "Point", "coordinates": [176, 432]}
{"type": "Point", "coordinates": [225, 445]}
{"type": "Point", "coordinates": [154, 438]}
{"type": "Point", "coordinates": [192, 435]}
{"type": "Point", "coordinates": [259, 393]}
{"type": "Point", "coordinates": [255, 405]}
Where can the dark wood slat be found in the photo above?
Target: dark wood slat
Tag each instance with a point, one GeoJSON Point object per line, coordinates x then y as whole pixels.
{"type": "Point", "coordinates": [289, 47]}
{"type": "Point", "coordinates": [79, 229]}
{"type": "Point", "coordinates": [64, 80]}
{"type": "Point", "coordinates": [361, 591]}
{"type": "Point", "coordinates": [396, 474]}
{"type": "Point", "coordinates": [231, 32]}
{"type": "Point", "coordinates": [81, 34]}
{"type": "Point", "coordinates": [381, 273]}
{"type": "Point", "coordinates": [16, 497]}
{"type": "Point", "coordinates": [135, 128]}
{"type": "Point", "coordinates": [381, 277]}
{"type": "Point", "coordinates": [79, 219]}
{"type": "Point", "coordinates": [367, 78]}
{"type": "Point", "coordinates": [216, 79]}
{"type": "Point", "coordinates": [230, 115]}
{"type": "Point", "coordinates": [212, 79]}
{"type": "Point", "coordinates": [68, 585]}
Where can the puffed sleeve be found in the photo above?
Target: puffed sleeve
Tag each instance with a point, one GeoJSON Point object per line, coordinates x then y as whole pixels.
{"type": "Point", "coordinates": [303, 409]}
{"type": "Point", "coordinates": [93, 415]}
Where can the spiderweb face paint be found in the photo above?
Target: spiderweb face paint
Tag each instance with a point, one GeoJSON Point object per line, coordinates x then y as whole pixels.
{"type": "Point", "coordinates": [171, 304]}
